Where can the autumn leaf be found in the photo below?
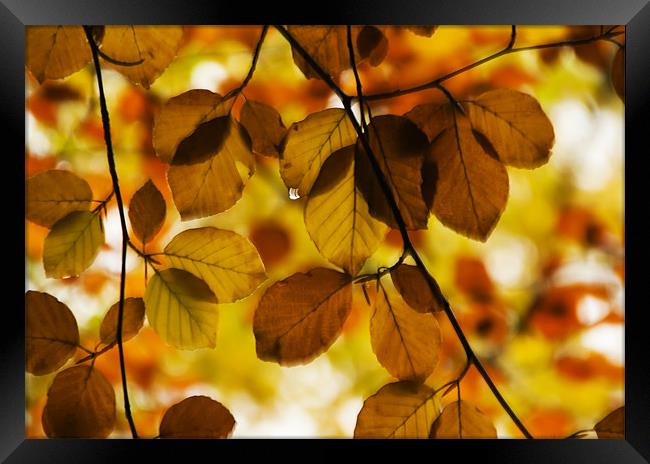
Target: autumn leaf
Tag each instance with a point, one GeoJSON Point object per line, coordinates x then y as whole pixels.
{"type": "Point", "coordinates": [515, 125]}
{"type": "Point", "coordinates": [471, 188]}
{"type": "Point", "coordinates": [399, 148]}
{"type": "Point", "coordinates": [151, 47]}
{"type": "Point", "coordinates": [310, 142]}
{"type": "Point", "coordinates": [612, 425]}
{"type": "Point", "coordinates": [51, 335]}
{"type": "Point", "coordinates": [197, 417]}
{"type": "Point", "coordinates": [181, 115]}
{"type": "Point", "coordinates": [473, 423]}
{"type": "Point", "coordinates": [414, 288]}
{"type": "Point", "coordinates": [147, 211]}
{"type": "Point", "coordinates": [264, 126]}
{"type": "Point", "coordinates": [424, 31]}
{"type": "Point", "coordinates": [72, 244]}
{"type": "Point", "coordinates": [405, 342]}
{"type": "Point", "coordinates": [618, 73]}
{"type": "Point", "coordinates": [398, 410]}
{"type": "Point", "coordinates": [328, 46]}
{"type": "Point", "coordinates": [210, 169]}
{"type": "Point", "coordinates": [182, 309]}
{"type": "Point", "coordinates": [55, 52]}
{"type": "Point", "coordinates": [52, 195]}
{"type": "Point", "coordinates": [80, 404]}
{"type": "Point", "coordinates": [227, 262]}
{"type": "Point", "coordinates": [300, 317]}
{"type": "Point", "coordinates": [132, 320]}
{"type": "Point", "coordinates": [337, 216]}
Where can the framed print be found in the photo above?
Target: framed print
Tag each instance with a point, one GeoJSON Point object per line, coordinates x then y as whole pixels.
{"type": "Point", "coordinates": [393, 226]}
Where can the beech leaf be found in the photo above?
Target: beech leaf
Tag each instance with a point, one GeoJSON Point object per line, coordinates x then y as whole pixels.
{"type": "Point", "coordinates": [300, 317]}
{"type": "Point", "coordinates": [412, 285]}
{"type": "Point", "coordinates": [132, 320]}
{"type": "Point", "coordinates": [264, 126]}
{"type": "Point", "coordinates": [473, 423]}
{"type": "Point", "coordinates": [52, 195]}
{"type": "Point", "coordinates": [52, 335]}
{"type": "Point", "coordinates": [612, 425]}
{"type": "Point", "coordinates": [337, 216]}
{"type": "Point", "coordinates": [147, 211]}
{"type": "Point", "coordinates": [55, 52]}
{"type": "Point", "coordinates": [197, 417]}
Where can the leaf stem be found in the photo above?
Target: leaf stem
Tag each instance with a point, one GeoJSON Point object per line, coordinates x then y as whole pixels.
{"type": "Point", "coordinates": [408, 245]}
{"type": "Point", "coordinates": [125, 234]}
{"type": "Point", "coordinates": [509, 48]}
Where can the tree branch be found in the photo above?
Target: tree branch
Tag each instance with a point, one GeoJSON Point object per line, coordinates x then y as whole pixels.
{"type": "Point", "coordinates": [408, 245]}
{"type": "Point", "coordinates": [251, 70]}
{"type": "Point", "coordinates": [120, 206]}
{"type": "Point", "coordinates": [509, 48]}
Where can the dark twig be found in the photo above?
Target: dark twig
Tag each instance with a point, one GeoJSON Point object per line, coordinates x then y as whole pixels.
{"type": "Point", "coordinates": [256, 54]}
{"type": "Point", "coordinates": [125, 232]}
{"type": "Point", "coordinates": [408, 245]}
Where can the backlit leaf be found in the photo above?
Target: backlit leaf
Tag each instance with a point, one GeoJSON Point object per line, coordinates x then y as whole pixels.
{"type": "Point", "coordinates": [618, 73]}
{"type": "Point", "coordinates": [180, 117]}
{"type": "Point", "coordinates": [300, 317]}
{"type": "Point", "coordinates": [80, 404]}
{"type": "Point", "coordinates": [399, 148]}
{"type": "Point", "coordinates": [613, 425]}
{"type": "Point", "coordinates": [310, 142]}
{"type": "Point", "coordinates": [210, 169]}
{"type": "Point", "coordinates": [415, 290]}
{"type": "Point", "coordinates": [52, 195]}
{"type": "Point", "coordinates": [264, 126]}
{"type": "Point", "coordinates": [405, 342]}
{"type": "Point", "coordinates": [337, 216]}
{"type": "Point", "coordinates": [226, 261]}
{"type": "Point", "coordinates": [471, 188]}
{"type": "Point", "coordinates": [425, 31]}
{"type": "Point", "coordinates": [153, 47]}
{"type": "Point", "coordinates": [72, 244]}
{"type": "Point", "coordinates": [55, 52]}
{"type": "Point", "coordinates": [516, 126]}
{"type": "Point", "coordinates": [197, 417]}
{"type": "Point", "coordinates": [328, 46]}
{"type": "Point", "coordinates": [473, 423]}
{"type": "Point", "coordinates": [132, 320]}
{"type": "Point", "coordinates": [51, 335]}
{"type": "Point", "coordinates": [182, 309]}
{"type": "Point", "coordinates": [147, 211]}
{"type": "Point", "coordinates": [398, 410]}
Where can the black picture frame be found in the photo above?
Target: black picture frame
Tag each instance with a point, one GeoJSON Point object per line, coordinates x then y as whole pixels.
{"type": "Point", "coordinates": [635, 14]}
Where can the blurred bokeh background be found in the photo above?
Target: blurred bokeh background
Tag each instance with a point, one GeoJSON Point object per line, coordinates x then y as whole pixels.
{"type": "Point", "coordinates": [541, 300]}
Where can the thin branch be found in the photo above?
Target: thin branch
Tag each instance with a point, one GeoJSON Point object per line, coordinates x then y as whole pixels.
{"type": "Point", "coordinates": [356, 75]}
{"type": "Point", "coordinates": [93, 354]}
{"type": "Point", "coordinates": [408, 245]}
{"type": "Point", "coordinates": [120, 205]}
{"type": "Point", "coordinates": [509, 48]}
{"type": "Point", "coordinates": [102, 203]}
{"type": "Point", "coordinates": [256, 54]}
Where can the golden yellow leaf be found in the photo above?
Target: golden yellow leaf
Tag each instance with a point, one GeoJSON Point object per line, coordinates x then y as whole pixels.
{"type": "Point", "coordinates": [226, 261]}
{"type": "Point", "coordinates": [398, 410]}
{"type": "Point", "coordinates": [406, 342]}
{"type": "Point", "coordinates": [618, 73]}
{"type": "Point", "coordinates": [337, 216]}
{"type": "Point", "coordinates": [147, 211]}
{"type": "Point", "coordinates": [414, 288]}
{"type": "Point", "coordinates": [471, 188]}
{"type": "Point", "coordinates": [612, 425]}
{"type": "Point", "coordinates": [55, 52]}
{"type": "Point", "coordinates": [264, 126]}
{"type": "Point", "coordinates": [310, 142]}
{"type": "Point", "coordinates": [328, 46]}
{"type": "Point", "coordinates": [52, 335]}
{"type": "Point", "coordinates": [300, 317]}
{"type": "Point", "coordinates": [399, 148]}
{"type": "Point", "coordinates": [72, 244]}
{"type": "Point", "coordinates": [80, 404]}
{"type": "Point", "coordinates": [180, 117]}
{"type": "Point", "coordinates": [210, 169]}
{"type": "Point", "coordinates": [473, 423]}
{"type": "Point", "coordinates": [132, 320]}
{"type": "Point", "coordinates": [515, 125]}
{"type": "Point", "coordinates": [424, 31]}
{"type": "Point", "coordinates": [182, 309]}
{"type": "Point", "coordinates": [53, 194]}
{"type": "Point", "coordinates": [197, 417]}
{"type": "Point", "coordinates": [153, 47]}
